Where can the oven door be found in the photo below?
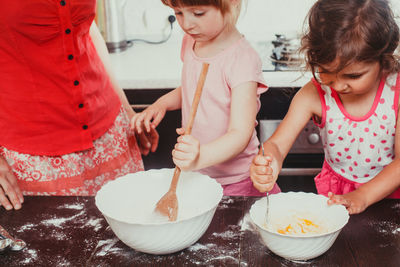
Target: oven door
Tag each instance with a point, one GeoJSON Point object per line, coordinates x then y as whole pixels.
{"type": "Point", "coordinates": [306, 155]}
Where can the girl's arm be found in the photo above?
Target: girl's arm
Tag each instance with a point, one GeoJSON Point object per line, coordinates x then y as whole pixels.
{"type": "Point", "coordinates": [146, 141]}
{"type": "Point", "coordinates": [387, 181]}
{"type": "Point", "coordinates": [152, 116]}
{"type": "Point", "coordinates": [241, 127]}
{"type": "Point", "coordinates": [264, 170]}
{"type": "Point", "coordinates": [189, 155]}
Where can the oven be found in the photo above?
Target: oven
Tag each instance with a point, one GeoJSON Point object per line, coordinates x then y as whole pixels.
{"type": "Point", "coordinates": [306, 156]}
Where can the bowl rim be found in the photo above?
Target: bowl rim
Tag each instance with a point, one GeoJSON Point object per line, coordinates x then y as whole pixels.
{"type": "Point", "coordinates": [336, 229]}
{"type": "Point", "coordinates": [220, 195]}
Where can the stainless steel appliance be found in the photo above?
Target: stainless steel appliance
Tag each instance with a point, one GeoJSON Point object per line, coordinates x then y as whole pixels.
{"type": "Point", "coordinates": [111, 22]}
{"type": "Point", "coordinates": [280, 54]}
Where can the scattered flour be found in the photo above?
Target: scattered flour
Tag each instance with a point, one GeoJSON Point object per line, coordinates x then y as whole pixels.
{"type": "Point", "coordinates": [105, 246]}
{"type": "Point", "coordinates": [396, 206]}
{"type": "Point", "coordinates": [56, 229]}
{"type": "Point", "coordinates": [224, 203]}
{"type": "Point", "coordinates": [96, 223]}
{"type": "Point", "coordinates": [385, 227]}
{"type": "Point", "coordinates": [26, 227]}
{"type": "Point", "coordinates": [75, 206]}
{"type": "Point", "coordinates": [246, 223]}
{"type": "Point", "coordinates": [58, 222]}
{"type": "Point", "coordinates": [226, 235]}
{"type": "Point", "coordinates": [198, 246]}
{"type": "Point", "coordinates": [32, 256]}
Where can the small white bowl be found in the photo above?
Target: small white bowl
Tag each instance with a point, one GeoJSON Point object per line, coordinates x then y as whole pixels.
{"type": "Point", "coordinates": [128, 202]}
{"type": "Point", "coordinates": [299, 246]}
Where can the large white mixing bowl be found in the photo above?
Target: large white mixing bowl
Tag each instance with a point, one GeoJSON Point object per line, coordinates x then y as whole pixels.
{"type": "Point", "coordinates": [301, 246]}
{"type": "Point", "coordinates": [128, 203]}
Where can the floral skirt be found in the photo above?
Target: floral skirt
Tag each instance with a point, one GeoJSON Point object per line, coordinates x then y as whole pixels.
{"type": "Point", "coordinates": [82, 173]}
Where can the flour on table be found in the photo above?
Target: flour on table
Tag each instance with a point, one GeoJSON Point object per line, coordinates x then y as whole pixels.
{"type": "Point", "coordinates": [26, 227]}
{"type": "Point", "coordinates": [96, 223]}
{"type": "Point", "coordinates": [105, 246]}
{"type": "Point", "coordinates": [32, 256]}
{"type": "Point", "coordinates": [198, 246]}
{"type": "Point", "coordinates": [226, 235]}
{"type": "Point", "coordinates": [396, 207]}
{"type": "Point", "coordinates": [224, 203]}
{"type": "Point", "coordinates": [386, 227]}
{"type": "Point", "coordinates": [246, 223]}
{"type": "Point", "coordinates": [74, 206]}
{"type": "Point", "coordinates": [58, 222]}
{"type": "Point", "coordinates": [55, 227]}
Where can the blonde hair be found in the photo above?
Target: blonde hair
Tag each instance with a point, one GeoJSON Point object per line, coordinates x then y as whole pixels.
{"type": "Point", "coordinates": [223, 5]}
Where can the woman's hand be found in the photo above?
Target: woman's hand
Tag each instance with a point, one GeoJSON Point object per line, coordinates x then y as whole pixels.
{"type": "Point", "coordinates": [147, 141]}
{"type": "Point", "coordinates": [262, 174]}
{"type": "Point", "coordinates": [353, 201]}
{"type": "Point", "coordinates": [186, 151]}
{"type": "Point", "coordinates": [148, 119]}
{"type": "Point", "coordinates": [10, 194]}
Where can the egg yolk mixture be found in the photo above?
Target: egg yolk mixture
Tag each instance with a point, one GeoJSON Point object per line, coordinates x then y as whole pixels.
{"type": "Point", "coordinates": [300, 226]}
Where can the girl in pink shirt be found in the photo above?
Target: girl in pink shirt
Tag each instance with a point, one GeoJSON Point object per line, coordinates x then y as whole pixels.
{"type": "Point", "coordinates": [223, 140]}
{"type": "Point", "coordinates": [353, 98]}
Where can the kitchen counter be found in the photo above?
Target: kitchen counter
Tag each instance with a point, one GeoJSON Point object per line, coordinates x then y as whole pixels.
{"type": "Point", "coordinates": [70, 231]}
{"type": "Point", "coordinates": [158, 66]}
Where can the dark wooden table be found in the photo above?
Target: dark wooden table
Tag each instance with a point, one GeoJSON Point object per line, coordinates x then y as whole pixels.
{"type": "Point", "coordinates": [70, 231]}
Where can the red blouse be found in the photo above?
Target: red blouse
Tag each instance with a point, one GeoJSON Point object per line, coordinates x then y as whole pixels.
{"type": "Point", "coordinates": [55, 95]}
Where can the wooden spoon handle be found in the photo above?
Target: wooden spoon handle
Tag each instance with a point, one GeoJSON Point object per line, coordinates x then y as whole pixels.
{"type": "Point", "coordinates": [193, 110]}
{"type": "Point", "coordinates": [196, 97]}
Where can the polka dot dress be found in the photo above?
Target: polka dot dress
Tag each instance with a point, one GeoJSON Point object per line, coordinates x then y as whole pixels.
{"type": "Point", "coordinates": [357, 148]}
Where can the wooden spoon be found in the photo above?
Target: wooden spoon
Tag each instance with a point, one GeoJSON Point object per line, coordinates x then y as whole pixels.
{"type": "Point", "coordinates": [168, 204]}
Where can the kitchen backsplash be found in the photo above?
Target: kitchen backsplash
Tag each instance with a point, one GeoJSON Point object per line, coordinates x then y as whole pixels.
{"type": "Point", "coordinates": [147, 19]}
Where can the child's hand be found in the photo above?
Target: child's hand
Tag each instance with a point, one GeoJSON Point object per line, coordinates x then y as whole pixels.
{"type": "Point", "coordinates": [186, 151]}
{"type": "Point", "coordinates": [148, 119]}
{"type": "Point", "coordinates": [262, 174]}
{"type": "Point", "coordinates": [353, 202]}
{"type": "Point", "coordinates": [147, 141]}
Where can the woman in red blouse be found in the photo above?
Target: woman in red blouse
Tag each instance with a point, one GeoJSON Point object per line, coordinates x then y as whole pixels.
{"type": "Point", "coordinates": [64, 121]}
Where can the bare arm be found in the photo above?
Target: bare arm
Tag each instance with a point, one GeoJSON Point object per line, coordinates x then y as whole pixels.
{"type": "Point", "coordinates": [241, 127]}
{"type": "Point", "coordinates": [189, 155]}
{"type": "Point", "coordinates": [264, 170]}
{"type": "Point", "coordinates": [152, 116]}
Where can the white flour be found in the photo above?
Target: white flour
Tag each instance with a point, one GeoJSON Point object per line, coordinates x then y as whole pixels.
{"type": "Point", "coordinates": [32, 255]}
{"type": "Point", "coordinates": [386, 227]}
{"type": "Point", "coordinates": [55, 228]}
{"type": "Point", "coordinates": [58, 222]}
{"type": "Point", "coordinates": [224, 203]}
{"type": "Point", "coordinates": [105, 246]}
{"type": "Point", "coordinates": [246, 223]}
{"type": "Point", "coordinates": [75, 206]}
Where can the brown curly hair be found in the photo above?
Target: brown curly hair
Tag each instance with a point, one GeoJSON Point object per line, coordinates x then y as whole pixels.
{"type": "Point", "coordinates": [351, 31]}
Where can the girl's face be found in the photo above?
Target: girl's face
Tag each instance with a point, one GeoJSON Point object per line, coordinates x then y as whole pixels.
{"type": "Point", "coordinates": [202, 23]}
{"type": "Point", "coordinates": [357, 78]}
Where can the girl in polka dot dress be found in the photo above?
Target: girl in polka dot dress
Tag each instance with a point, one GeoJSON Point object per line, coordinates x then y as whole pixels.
{"type": "Point", "coordinates": [353, 99]}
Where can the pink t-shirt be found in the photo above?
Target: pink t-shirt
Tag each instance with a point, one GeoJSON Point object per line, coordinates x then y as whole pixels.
{"type": "Point", "coordinates": [235, 65]}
